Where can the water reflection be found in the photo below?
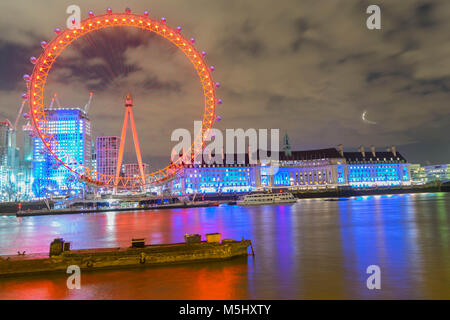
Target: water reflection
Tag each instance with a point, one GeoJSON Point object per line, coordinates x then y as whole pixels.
{"type": "Point", "coordinates": [313, 249]}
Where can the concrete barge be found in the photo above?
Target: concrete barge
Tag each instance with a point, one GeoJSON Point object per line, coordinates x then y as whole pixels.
{"type": "Point", "coordinates": [138, 255]}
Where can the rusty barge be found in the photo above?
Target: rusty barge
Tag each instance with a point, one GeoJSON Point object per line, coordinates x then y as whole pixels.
{"type": "Point", "coordinates": [138, 254]}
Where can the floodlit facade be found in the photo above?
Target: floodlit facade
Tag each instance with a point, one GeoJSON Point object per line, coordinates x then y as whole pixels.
{"type": "Point", "coordinates": [439, 172]}
{"type": "Point", "coordinates": [5, 144]}
{"type": "Point", "coordinates": [71, 128]}
{"type": "Point", "coordinates": [215, 179]}
{"type": "Point", "coordinates": [377, 169]}
{"type": "Point", "coordinates": [15, 169]}
{"type": "Point", "coordinates": [107, 150]}
{"type": "Point", "coordinates": [323, 169]}
{"type": "Point", "coordinates": [418, 174]}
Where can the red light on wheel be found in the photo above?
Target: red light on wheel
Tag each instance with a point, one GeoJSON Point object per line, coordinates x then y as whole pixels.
{"type": "Point", "coordinates": [95, 23]}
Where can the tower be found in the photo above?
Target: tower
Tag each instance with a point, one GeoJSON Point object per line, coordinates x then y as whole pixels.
{"type": "Point", "coordinates": [286, 146]}
{"type": "Point", "coordinates": [72, 129]}
{"type": "Point", "coordinates": [129, 114]}
{"type": "Point", "coordinates": [107, 150]}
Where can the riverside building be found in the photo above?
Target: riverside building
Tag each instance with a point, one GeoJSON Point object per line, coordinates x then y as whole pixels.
{"type": "Point", "coordinates": [309, 170]}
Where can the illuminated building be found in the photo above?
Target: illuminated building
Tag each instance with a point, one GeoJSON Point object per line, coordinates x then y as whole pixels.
{"type": "Point", "coordinates": [71, 128]}
{"type": "Point", "coordinates": [132, 169]}
{"type": "Point", "coordinates": [377, 169]}
{"type": "Point", "coordinates": [5, 143]}
{"type": "Point", "coordinates": [323, 169]}
{"type": "Point", "coordinates": [305, 169]}
{"type": "Point", "coordinates": [301, 169]}
{"type": "Point", "coordinates": [440, 172]}
{"type": "Point", "coordinates": [215, 179]}
{"type": "Point", "coordinates": [15, 170]}
{"type": "Point", "coordinates": [107, 150]}
{"type": "Point", "coordinates": [93, 157]}
{"type": "Point", "coordinates": [418, 174]}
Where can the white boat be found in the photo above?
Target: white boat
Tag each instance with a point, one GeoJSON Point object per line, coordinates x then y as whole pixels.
{"type": "Point", "coordinates": [257, 199]}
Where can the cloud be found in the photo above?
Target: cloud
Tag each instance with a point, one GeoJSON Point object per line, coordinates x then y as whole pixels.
{"type": "Point", "coordinates": [307, 67]}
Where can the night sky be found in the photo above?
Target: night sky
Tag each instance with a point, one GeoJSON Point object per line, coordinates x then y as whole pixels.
{"type": "Point", "coordinates": [308, 68]}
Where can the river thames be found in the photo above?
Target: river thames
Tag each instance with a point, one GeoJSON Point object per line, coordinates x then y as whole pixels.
{"type": "Point", "coordinates": [314, 249]}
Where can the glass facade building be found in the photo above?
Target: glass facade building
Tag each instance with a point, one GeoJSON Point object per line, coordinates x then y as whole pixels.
{"type": "Point", "coordinates": [440, 172]}
{"type": "Point", "coordinates": [71, 128]}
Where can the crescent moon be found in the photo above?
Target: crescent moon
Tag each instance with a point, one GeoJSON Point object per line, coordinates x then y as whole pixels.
{"type": "Point", "coordinates": [365, 119]}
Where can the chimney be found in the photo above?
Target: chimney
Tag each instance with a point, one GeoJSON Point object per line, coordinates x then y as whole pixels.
{"type": "Point", "coordinates": [341, 150]}
{"type": "Point", "coordinates": [372, 148]}
{"type": "Point", "coordinates": [394, 151]}
{"type": "Point", "coordinates": [361, 149]}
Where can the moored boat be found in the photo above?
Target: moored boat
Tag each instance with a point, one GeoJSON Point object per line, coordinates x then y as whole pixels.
{"type": "Point", "coordinates": [267, 198]}
{"type": "Point", "coordinates": [61, 256]}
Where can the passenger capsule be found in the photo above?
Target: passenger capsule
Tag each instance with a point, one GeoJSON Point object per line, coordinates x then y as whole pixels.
{"type": "Point", "coordinates": [192, 40]}
{"type": "Point", "coordinates": [219, 102]}
{"type": "Point", "coordinates": [24, 96]}
{"type": "Point", "coordinates": [163, 20]}
{"type": "Point", "coordinates": [217, 85]}
{"type": "Point", "coordinates": [33, 60]}
{"type": "Point", "coordinates": [203, 54]}
{"type": "Point", "coordinates": [43, 44]}
{"type": "Point", "coordinates": [179, 29]}
{"type": "Point", "coordinates": [218, 118]}
{"type": "Point", "coordinates": [212, 68]}
{"type": "Point", "coordinates": [91, 14]}
{"type": "Point", "coordinates": [27, 77]}
{"type": "Point", "coordinates": [109, 10]}
{"type": "Point", "coordinates": [146, 13]}
{"type": "Point", "coordinates": [57, 30]}
{"type": "Point", "coordinates": [127, 10]}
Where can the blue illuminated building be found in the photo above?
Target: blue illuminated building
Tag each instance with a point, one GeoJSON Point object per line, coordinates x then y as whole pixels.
{"type": "Point", "coordinates": [71, 128]}
{"type": "Point", "coordinates": [323, 169]}
{"type": "Point", "coordinates": [219, 178]}
{"type": "Point", "coordinates": [377, 169]}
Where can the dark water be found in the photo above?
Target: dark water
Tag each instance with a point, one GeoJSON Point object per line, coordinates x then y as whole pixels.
{"type": "Point", "coordinates": [313, 249]}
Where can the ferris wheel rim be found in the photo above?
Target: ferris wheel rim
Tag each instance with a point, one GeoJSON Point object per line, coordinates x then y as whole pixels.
{"type": "Point", "coordinates": [63, 38]}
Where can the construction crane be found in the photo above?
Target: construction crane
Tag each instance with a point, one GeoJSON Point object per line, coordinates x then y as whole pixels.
{"type": "Point", "coordinates": [86, 107]}
{"type": "Point", "coordinates": [8, 122]}
{"type": "Point", "coordinates": [55, 98]}
{"type": "Point", "coordinates": [18, 115]}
